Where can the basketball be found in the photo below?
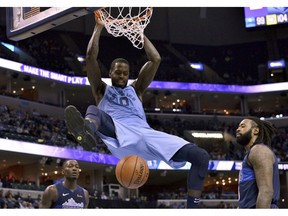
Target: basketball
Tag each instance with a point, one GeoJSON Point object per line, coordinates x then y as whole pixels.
{"type": "Point", "coordinates": [132, 171]}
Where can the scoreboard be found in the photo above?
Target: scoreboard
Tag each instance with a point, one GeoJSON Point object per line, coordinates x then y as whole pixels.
{"type": "Point", "coordinates": [265, 16]}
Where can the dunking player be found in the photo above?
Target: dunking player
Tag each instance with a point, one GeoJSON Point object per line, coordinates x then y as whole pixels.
{"type": "Point", "coordinates": [66, 193]}
{"type": "Point", "coordinates": [259, 184]}
{"type": "Point", "coordinates": [119, 118]}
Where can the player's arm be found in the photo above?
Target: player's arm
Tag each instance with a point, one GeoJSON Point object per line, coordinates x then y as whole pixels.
{"type": "Point", "coordinates": [262, 160]}
{"type": "Point", "coordinates": [49, 196]}
{"type": "Point", "coordinates": [92, 65]}
{"type": "Point", "coordinates": [86, 198]}
{"type": "Point", "coordinates": [149, 69]}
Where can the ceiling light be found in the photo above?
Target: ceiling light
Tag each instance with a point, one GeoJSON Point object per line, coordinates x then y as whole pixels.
{"type": "Point", "coordinates": [216, 135]}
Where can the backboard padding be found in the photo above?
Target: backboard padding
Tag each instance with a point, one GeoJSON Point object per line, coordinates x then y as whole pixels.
{"type": "Point", "coordinates": [25, 22]}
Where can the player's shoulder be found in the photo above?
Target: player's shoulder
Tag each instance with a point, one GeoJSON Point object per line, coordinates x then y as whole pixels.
{"type": "Point", "coordinates": [51, 189]}
{"type": "Point", "coordinates": [86, 192]}
{"type": "Point", "coordinates": [260, 148]}
{"type": "Point", "coordinates": [260, 151]}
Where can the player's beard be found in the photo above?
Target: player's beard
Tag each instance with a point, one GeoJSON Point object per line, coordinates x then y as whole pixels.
{"type": "Point", "coordinates": [245, 138]}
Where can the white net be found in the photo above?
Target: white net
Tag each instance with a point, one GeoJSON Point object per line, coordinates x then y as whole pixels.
{"type": "Point", "coordinates": [127, 21]}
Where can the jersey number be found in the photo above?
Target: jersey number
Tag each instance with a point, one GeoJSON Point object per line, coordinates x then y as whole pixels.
{"type": "Point", "coordinates": [124, 101]}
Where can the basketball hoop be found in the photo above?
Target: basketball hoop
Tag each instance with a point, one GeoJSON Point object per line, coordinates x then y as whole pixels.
{"type": "Point", "coordinates": [127, 21]}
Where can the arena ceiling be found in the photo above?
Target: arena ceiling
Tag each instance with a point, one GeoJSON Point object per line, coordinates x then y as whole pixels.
{"type": "Point", "coordinates": [209, 26]}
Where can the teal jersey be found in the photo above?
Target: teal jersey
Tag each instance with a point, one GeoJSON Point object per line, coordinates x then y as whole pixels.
{"type": "Point", "coordinates": [133, 133]}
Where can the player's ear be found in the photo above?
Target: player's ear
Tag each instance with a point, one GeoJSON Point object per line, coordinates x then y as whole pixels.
{"type": "Point", "coordinates": [256, 131]}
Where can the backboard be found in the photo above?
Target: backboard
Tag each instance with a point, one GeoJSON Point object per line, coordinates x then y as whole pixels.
{"type": "Point", "coordinates": [24, 22]}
